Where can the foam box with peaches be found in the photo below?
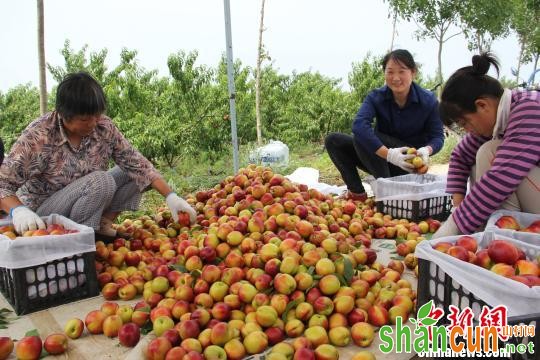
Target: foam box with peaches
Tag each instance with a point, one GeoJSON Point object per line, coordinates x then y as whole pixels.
{"type": "Point", "coordinates": [47, 268]}
{"type": "Point", "coordinates": [518, 225]}
{"type": "Point", "coordinates": [26, 251]}
{"type": "Point", "coordinates": [471, 279]}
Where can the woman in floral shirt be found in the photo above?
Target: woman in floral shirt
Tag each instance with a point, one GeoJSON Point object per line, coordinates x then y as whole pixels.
{"type": "Point", "coordinates": [60, 164]}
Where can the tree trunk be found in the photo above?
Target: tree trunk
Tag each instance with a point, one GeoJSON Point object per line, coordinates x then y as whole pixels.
{"type": "Point", "coordinates": [41, 56]}
{"type": "Point", "coordinates": [535, 67]}
{"type": "Point", "coordinates": [393, 31]}
{"type": "Point", "coordinates": [439, 63]}
{"type": "Point", "coordinates": [479, 43]}
{"type": "Point", "coordinates": [260, 56]}
{"type": "Point", "coordinates": [521, 48]}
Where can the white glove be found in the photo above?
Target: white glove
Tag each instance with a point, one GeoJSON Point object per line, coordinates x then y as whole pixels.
{"type": "Point", "coordinates": [449, 228]}
{"type": "Point", "coordinates": [397, 156]}
{"type": "Point", "coordinates": [25, 219]}
{"type": "Point", "coordinates": [424, 153]}
{"type": "Point", "coordinates": [177, 204]}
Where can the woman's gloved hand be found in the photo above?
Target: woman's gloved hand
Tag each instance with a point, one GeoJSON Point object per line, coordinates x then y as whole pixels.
{"type": "Point", "coordinates": [424, 153]}
{"type": "Point", "coordinates": [398, 157]}
{"type": "Point", "coordinates": [449, 228]}
{"type": "Point", "coordinates": [25, 219]}
{"type": "Point", "coordinates": [177, 204]}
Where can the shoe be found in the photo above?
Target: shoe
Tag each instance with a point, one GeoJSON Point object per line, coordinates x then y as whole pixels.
{"type": "Point", "coordinates": [107, 239]}
{"type": "Point", "coordinates": [349, 195]}
{"type": "Point", "coordinates": [107, 233]}
{"type": "Point", "coordinates": [106, 227]}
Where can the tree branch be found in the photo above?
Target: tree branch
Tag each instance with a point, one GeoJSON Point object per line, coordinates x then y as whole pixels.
{"type": "Point", "coordinates": [451, 36]}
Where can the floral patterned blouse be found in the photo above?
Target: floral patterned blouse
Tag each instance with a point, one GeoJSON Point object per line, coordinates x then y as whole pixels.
{"type": "Point", "coordinates": [42, 161]}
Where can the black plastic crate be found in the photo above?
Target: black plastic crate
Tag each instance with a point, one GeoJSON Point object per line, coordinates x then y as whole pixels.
{"type": "Point", "coordinates": [50, 284]}
{"type": "Point", "coordinates": [446, 291]}
{"type": "Point", "coordinates": [438, 208]}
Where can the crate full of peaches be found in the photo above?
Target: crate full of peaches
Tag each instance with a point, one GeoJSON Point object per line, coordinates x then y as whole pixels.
{"type": "Point", "coordinates": [486, 267]}
{"type": "Point", "coordinates": [51, 229]}
{"type": "Point", "coordinates": [519, 225]}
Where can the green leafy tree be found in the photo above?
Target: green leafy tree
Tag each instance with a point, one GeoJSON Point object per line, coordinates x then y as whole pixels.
{"type": "Point", "coordinates": [366, 76]}
{"type": "Point", "coordinates": [192, 104]}
{"type": "Point", "coordinates": [272, 101]}
{"type": "Point", "coordinates": [165, 118]}
{"type": "Point", "coordinates": [183, 118]}
{"type": "Point", "coordinates": [339, 109]}
{"type": "Point", "coordinates": [434, 19]}
{"type": "Point", "coordinates": [520, 24]}
{"type": "Point", "coordinates": [525, 22]}
{"type": "Point", "coordinates": [245, 98]}
{"type": "Point", "coordinates": [79, 61]}
{"type": "Point", "coordinates": [135, 99]}
{"type": "Point", "coordinates": [18, 107]}
{"type": "Point", "coordinates": [483, 21]}
{"type": "Point", "coordinates": [316, 105]}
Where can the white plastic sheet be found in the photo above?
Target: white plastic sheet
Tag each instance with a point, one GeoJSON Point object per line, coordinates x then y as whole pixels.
{"type": "Point", "coordinates": [310, 177]}
{"type": "Point", "coordinates": [32, 251]}
{"type": "Point", "coordinates": [486, 285]}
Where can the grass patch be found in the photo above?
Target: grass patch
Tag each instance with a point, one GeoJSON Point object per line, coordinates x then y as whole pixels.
{"type": "Point", "coordinates": [443, 156]}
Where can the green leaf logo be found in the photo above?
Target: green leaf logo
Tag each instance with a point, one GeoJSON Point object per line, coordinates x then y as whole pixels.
{"type": "Point", "coordinates": [428, 315]}
{"type": "Point", "coordinates": [424, 310]}
{"type": "Point", "coordinates": [428, 321]}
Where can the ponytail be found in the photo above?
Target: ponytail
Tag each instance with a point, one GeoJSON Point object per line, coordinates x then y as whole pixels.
{"type": "Point", "coordinates": [482, 62]}
{"type": "Point", "coordinates": [468, 84]}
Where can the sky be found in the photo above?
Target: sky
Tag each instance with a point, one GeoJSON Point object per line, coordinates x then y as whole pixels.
{"type": "Point", "coordinates": [301, 35]}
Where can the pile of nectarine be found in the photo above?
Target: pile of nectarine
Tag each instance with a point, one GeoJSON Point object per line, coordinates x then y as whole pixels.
{"type": "Point", "coordinates": [266, 260]}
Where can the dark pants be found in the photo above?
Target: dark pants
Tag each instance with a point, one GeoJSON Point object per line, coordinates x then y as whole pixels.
{"type": "Point", "coordinates": [347, 156]}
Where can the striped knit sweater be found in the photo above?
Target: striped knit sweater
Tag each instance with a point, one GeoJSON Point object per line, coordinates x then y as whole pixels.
{"type": "Point", "coordinates": [518, 153]}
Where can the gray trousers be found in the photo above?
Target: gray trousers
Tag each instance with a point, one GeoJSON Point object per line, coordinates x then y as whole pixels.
{"type": "Point", "coordinates": [86, 199]}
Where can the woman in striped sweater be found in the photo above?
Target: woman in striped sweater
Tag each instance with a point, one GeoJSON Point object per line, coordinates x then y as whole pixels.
{"type": "Point", "coordinates": [500, 155]}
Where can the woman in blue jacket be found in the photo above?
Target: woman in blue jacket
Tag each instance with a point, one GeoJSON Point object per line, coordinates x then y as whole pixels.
{"type": "Point", "coordinates": [405, 114]}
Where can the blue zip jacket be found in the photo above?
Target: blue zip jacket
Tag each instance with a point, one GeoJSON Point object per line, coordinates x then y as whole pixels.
{"type": "Point", "coordinates": [417, 123]}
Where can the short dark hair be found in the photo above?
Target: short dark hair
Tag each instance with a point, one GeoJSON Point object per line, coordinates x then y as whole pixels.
{"type": "Point", "coordinates": [468, 84]}
{"type": "Point", "coordinates": [80, 94]}
{"type": "Point", "coordinates": [401, 56]}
